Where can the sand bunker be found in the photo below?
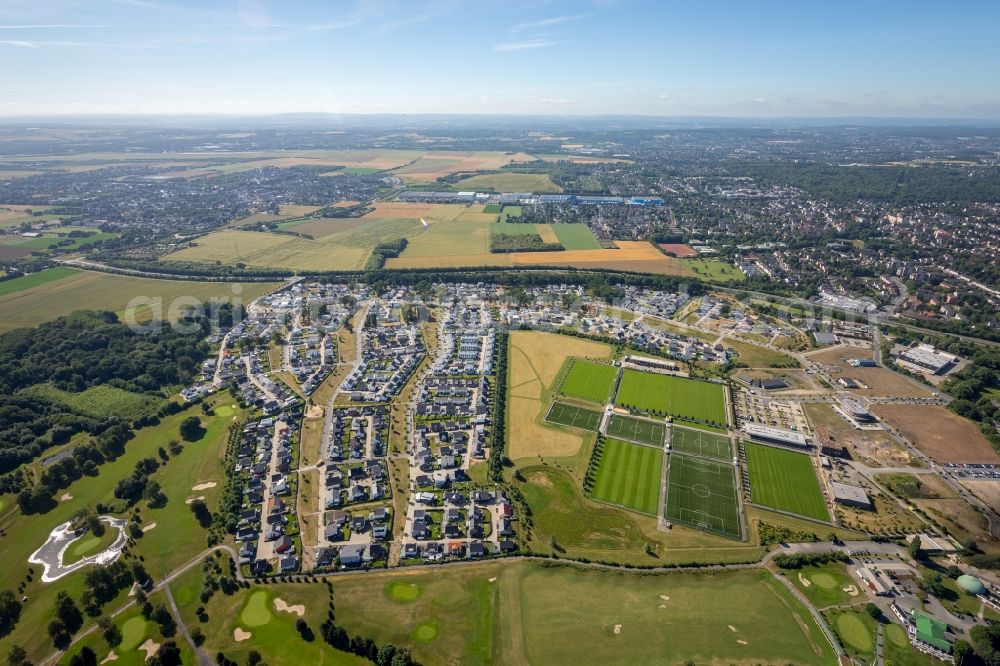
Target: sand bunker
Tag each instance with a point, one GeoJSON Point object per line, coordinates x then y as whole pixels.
{"type": "Point", "coordinates": [65, 497]}
{"type": "Point", "coordinates": [50, 554]}
{"type": "Point", "coordinates": [732, 628]}
{"type": "Point", "coordinates": [191, 499]}
{"type": "Point", "coordinates": [851, 590]}
{"type": "Point", "coordinates": [149, 647]}
{"type": "Point", "coordinates": [493, 580]}
{"type": "Point", "coordinates": [146, 528]}
{"type": "Point", "coordinates": [618, 629]}
{"type": "Point", "coordinates": [204, 486]}
{"type": "Point", "coordinates": [664, 597]}
{"type": "Point", "coordinates": [111, 657]}
{"type": "Point", "coordinates": [281, 605]}
{"type": "Point", "coordinates": [240, 635]}
{"type": "Point", "coordinates": [805, 581]}
{"type": "Point", "coordinates": [741, 642]}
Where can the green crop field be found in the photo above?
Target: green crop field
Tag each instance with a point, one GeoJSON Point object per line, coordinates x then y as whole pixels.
{"type": "Point", "coordinates": [36, 279]}
{"type": "Point", "coordinates": [87, 290]}
{"type": "Point", "coordinates": [513, 228]}
{"type": "Point", "coordinates": [786, 480]}
{"type": "Point", "coordinates": [628, 475]}
{"type": "Point", "coordinates": [636, 430]}
{"type": "Point", "coordinates": [700, 443]}
{"type": "Point", "coordinates": [676, 396]}
{"type": "Point", "coordinates": [576, 236]}
{"type": "Point", "coordinates": [588, 380]}
{"type": "Point", "coordinates": [574, 417]}
{"type": "Point", "coordinates": [508, 182]}
{"type": "Point", "coordinates": [508, 211]}
{"type": "Point", "coordinates": [702, 494]}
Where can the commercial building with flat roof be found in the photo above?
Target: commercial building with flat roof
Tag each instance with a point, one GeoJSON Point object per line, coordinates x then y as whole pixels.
{"type": "Point", "coordinates": [772, 435]}
{"type": "Point", "coordinates": [850, 495]}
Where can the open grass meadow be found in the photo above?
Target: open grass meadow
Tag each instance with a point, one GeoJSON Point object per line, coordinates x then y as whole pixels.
{"type": "Point", "coordinates": [526, 613]}
{"type": "Point", "coordinates": [513, 228]}
{"type": "Point", "coordinates": [786, 480]}
{"type": "Point", "coordinates": [534, 364]}
{"type": "Point", "coordinates": [588, 380]}
{"type": "Point", "coordinates": [574, 417]}
{"type": "Point", "coordinates": [457, 235]}
{"type": "Point", "coordinates": [628, 475]}
{"type": "Point", "coordinates": [509, 211]}
{"type": "Point", "coordinates": [88, 290]}
{"type": "Point", "coordinates": [160, 547]}
{"type": "Point", "coordinates": [670, 395]}
{"type": "Point", "coordinates": [98, 401]}
{"type": "Point", "coordinates": [700, 443]}
{"type": "Point", "coordinates": [575, 236]}
{"type": "Point", "coordinates": [36, 279]}
{"type": "Point", "coordinates": [713, 270]}
{"type": "Point", "coordinates": [632, 429]}
{"type": "Point", "coordinates": [539, 183]}
{"type": "Point", "coordinates": [701, 493]}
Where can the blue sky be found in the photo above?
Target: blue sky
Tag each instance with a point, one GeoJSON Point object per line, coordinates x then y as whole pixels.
{"type": "Point", "coordinates": [724, 58]}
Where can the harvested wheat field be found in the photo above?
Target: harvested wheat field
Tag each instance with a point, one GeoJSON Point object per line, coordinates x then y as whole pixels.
{"type": "Point", "coordinates": [401, 209]}
{"type": "Point", "coordinates": [535, 361]}
{"type": "Point", "coordinates": [637, 256]}
{"type": "Point", "coordinates": [942, 435]}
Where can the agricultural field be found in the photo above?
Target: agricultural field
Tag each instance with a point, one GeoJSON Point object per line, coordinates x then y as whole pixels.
{"type": "Point", "coordinates": [679, 250]}
{"type": "Point", "coordinates": [433, 165]}
{"type": "Point", "coordinates": [701, 493]}
{"type": "Point", "coordinates": [98, 401]}
{"type": "Point", "coordinates": [535, 361]}
{"type": "Point", "coordinates": [575, 236]}
{"type": "Point", "coordinates": [526, 613]}
{"type": "Point", "coordinates": [513, 228]}
{"type": "Point", "coordinates": [671, 395]}
{"type": "Point", "coordinates": [633, 256]}
{"type": "Point", "coordinates": [627, 475]}
{"type": "Point", "coordinates": [86, 290]}
{"type": "Point", "coordinates": [939, 433]}
{"type": "Point", "coordinates": [785, 480]}
{"type": "Point", "coordinates": [574, 417]}
{"type": "Point", "coordinates": [699, 443]}
{"type": "Point", "coordinates": [588, 380]}
{"type": "Point", "coordinates": [338, 246]}
{"type": "Point", "coordinates": [457, 236]}
{"type": "Point", "coordinates": [510, 211]}
{"type": "Point", "coordinates": [539, 183]}
{"type": "Point", "coordinates": [36, 279]}
{"type": "Point", "coordinates": [632, 429]}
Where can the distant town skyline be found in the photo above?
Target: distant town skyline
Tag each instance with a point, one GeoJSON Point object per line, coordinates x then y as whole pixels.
{"type": "Point", "coordinates": [915, 59]}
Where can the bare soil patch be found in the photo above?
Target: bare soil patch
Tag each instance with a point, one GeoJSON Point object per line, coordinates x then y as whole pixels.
{"type": "Point", "coordinates": [942, 435]}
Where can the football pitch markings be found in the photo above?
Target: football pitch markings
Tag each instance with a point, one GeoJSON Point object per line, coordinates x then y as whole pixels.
{"type": "Point", "coordinates": [785, 480]}
{"type": "Point", "coordinates": [700, 443]}
{"type": "Point", "coordinates": [574, 417]}
{"type": "Point", "coordinates": [636, 430]}
{"type": "Point", "coordinates": [701, 493]}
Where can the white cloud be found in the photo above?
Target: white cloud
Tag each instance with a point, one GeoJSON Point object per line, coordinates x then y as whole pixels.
{"type": "Point", "coordinates": [547, 22]}
{"type": "Point", "coordinates": [527, 44]}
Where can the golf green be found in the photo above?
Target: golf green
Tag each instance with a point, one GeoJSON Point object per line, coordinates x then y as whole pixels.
{"type": "Point", "coordinates": [896, 635]}
{"type": "Point", "coordinates": [224, 410]}
{"type": "Point", "coordinates": [854, 632]}
{"type": "Point", "coordinates": [256, 613]}
{"type": "Point", "coordinates": [133, 631]}
{"type": "Point", "coordinates": [426, 632]}
{"type": "Point", "coordinates": [403, 591]}
{"type": "Point", "coordinates": [824, 580]}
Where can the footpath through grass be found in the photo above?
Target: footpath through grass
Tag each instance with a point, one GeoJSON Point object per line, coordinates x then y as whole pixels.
{"type": "Point", "coordinates": [786, 480]}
